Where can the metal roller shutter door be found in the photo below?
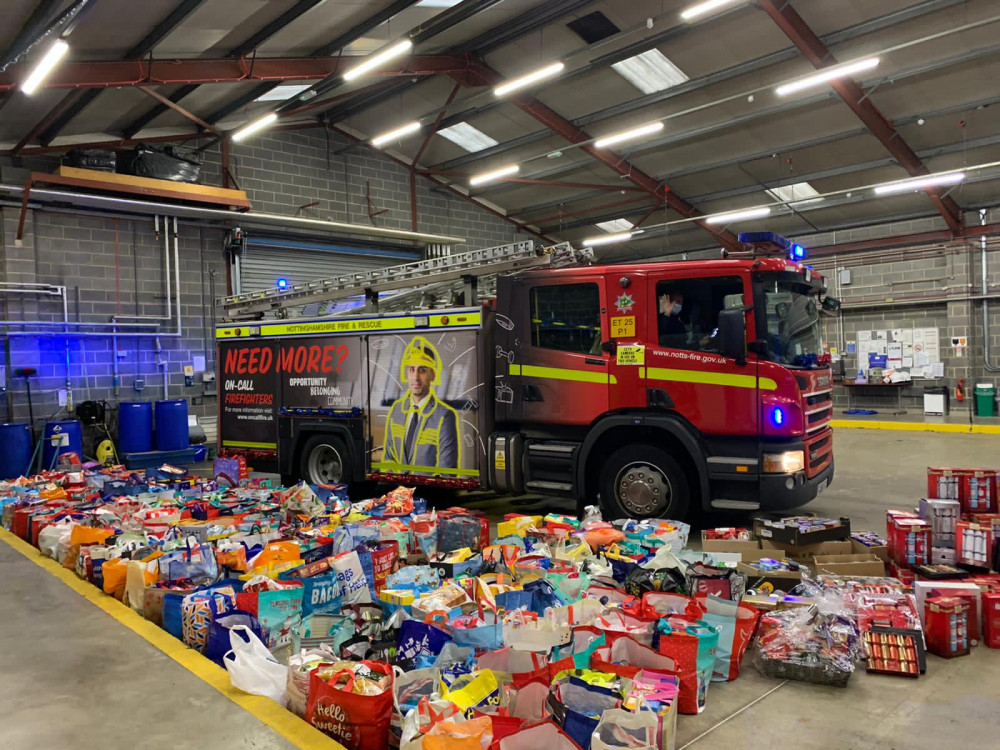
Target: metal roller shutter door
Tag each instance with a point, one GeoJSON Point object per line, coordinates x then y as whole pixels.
{"type": "Point", "coordinates": [266, 260]}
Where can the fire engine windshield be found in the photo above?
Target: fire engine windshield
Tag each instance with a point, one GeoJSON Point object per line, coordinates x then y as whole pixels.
{"type": "Point", "coordinates": [791, 312]}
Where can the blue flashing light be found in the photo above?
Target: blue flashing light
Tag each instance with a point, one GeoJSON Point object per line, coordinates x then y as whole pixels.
{"type": "Point", "coordinates": [798, 252]}
{"type": "Point", "coordinates": [282, 284]}
{"type": "Point", "coordinates": [777, 416]}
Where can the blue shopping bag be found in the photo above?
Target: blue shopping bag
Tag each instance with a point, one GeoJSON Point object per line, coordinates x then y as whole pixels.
{"type": "Point", "coordinates": [218, 643]}
{"type": "Point", "coordinates": [418, 638]}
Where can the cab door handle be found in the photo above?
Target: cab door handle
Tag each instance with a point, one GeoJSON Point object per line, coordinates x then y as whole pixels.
{"type": "Point", "coordinates": [594, 361]}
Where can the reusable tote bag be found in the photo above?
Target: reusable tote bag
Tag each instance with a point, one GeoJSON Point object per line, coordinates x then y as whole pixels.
{"type": "Point", "coordinates": [736, 624]}
{"type": "Point", "coordinates": [359, 722]}
{"type": "Point", "coordinates": [693, 647]}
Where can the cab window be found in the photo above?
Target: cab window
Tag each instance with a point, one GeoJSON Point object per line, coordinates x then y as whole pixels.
{"type": "Point", "coordinates": [687, 311]}
{"type": "Point", "coordinates": [566, 317]}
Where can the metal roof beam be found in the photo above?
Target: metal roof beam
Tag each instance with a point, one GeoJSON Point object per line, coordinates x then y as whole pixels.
{"type": "Point", "coordinates": [31, 29]}
{"type": "Point", "coordinates": [138, 72]}
{"type": "Point", "coordinates": [752, 66]}
{"type": "Point", "coordinates": [246, 47]}
{"type": "Point", "coordinates": [485, 42]}
{"type": "Point", "coordinates": [732, 122]}
{"type": "Point", "coordinates": [351, 35]}
{"type": "Point", "coordinates": [170, 22]}
{"type": "Point", "coordinates": [565, 129]}
{"type": "Point", "coordinates": [819, 55]}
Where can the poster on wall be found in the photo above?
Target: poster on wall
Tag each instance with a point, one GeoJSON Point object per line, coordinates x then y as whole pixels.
{"type": "Point", "coordinates": [247, 408]}
{"type": "Point", "coordinates": [324, 373]}
{"type": "Point", "coordinates": [424, 404]}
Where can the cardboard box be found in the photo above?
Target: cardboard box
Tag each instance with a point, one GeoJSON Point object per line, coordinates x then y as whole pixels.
{"type": "Point", "coordinates": [783, 580]}
{"type": "Point", "coordinates": [786, 531]}
{"type": "Point", "coordinates": [880, 551]}
{"type": "Point", "coordinates": [748, 549]}
{"type": "Point", "coordinates": [806, 552]}
{"type": "Point", "coordinates": [849, 565]}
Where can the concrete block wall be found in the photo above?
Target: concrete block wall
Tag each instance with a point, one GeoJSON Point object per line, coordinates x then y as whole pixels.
{"type": "Point", "coordinates": [283, 171]}
{"type": "Point", "coordinates": [280, 172]}
{"type": "Point", "coordinates": [896, 280]}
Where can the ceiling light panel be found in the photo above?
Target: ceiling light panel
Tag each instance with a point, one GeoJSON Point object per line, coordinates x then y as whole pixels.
{"type": "Point", "coordinates": [650, 71]}
{"type": "Point", "coordinates": [798, 193]}
{"type": "Point", "coordinates": [280, 93]}
{"type": "Point", "coordinates": [614, 226]}
{"type": "Point", "coordinates": [465, 136]}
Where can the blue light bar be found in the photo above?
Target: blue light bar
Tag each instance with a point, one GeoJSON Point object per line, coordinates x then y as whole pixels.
{"type": "Point", "coordinates": [282, 284]}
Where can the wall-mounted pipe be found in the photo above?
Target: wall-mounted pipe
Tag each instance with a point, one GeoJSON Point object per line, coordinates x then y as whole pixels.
{"type": "Point", "coordinates": [990, 366]}
{"type": "Point", "coordinates": [248, 218]}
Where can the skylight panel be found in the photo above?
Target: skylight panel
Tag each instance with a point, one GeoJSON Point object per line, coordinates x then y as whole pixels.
{"type": "Point", "coordinates": [650, 71]}
{"type": "Point", "coordinates": [465, 136]}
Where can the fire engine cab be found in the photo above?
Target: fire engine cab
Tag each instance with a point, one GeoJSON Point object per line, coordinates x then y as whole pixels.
{"type": "Point", "coordinates": [652, 388]}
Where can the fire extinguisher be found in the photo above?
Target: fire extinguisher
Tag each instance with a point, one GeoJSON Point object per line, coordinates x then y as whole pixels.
{"type": "Point", "coordinates": [960, 390]}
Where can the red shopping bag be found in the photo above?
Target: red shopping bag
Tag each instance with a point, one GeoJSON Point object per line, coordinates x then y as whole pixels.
{"type": "Point", "coordinates": [358, 722]}
{"type": "Point", "coordinates": [626, 657]}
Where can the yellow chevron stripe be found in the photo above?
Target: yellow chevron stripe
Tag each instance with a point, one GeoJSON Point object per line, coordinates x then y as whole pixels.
{"type": "Point", "coordinates": [709, 378]}
{"type": "Point", "coordinates": [561, 373]}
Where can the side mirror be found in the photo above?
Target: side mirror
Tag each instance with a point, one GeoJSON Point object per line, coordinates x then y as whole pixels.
{"type": "Point", "coordinates": [609, 347]}
{"type": "Point", "coordinates": [831, 304]}
{"type": "Point", "coordinates": [733, 336]}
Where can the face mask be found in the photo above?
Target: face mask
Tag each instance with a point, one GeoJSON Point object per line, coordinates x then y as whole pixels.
{"type": "Point", "coordinates": [677, 309]}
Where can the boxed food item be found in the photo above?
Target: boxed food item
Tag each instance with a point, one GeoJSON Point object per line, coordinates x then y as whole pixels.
{"type": "Point", "coordinates": [945, 483]}
{"type": "Point", "coordinates": [991, 620]}
{"type": "Point", "coordinates": [802, 530]}
{"type": "Point", "coordinates": [979, 491]}
{"type": "Point", "coordinates": [974, 544]}
{"type": "Point", "coordinates": [895, 651]}
{"type": "Point", "coordinates": [942, 515]}
{"type": "Point", "coordinates": [964, 590]}
{"type": "Point", "coordinates": [869, 542]}
{"type": "Point", "coordinates": [731, 540]}
{"type": "Point", "coordinates": [946, 626]}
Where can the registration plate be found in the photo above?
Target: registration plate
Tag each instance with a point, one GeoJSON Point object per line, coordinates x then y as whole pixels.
{"type": "Point", "coordinates": [822, 486]}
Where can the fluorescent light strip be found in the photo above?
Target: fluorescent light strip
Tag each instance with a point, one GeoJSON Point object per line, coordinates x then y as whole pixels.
{"type": "Point", "coordinates": [608, 239]}
{"type": "Point", "coordinates": [376, 59]}
{"type": "Point", "coordinates": [526, 80]}
{"type": "Point", "coordinates": [496, 174]}
{"type": "Point", "coordinates": [392, 135]}
{"type": "Point", "coordinates": [628, 135]}
{"type": "Point", "coordinates": [917, 183]}
{"type": "Point", "coordinates": [41, 71]}
{"type": "Point", "coordinates": [838, 71]}
{"type": "Point", "coordinates": [695, 11]}
{"type": "Point", "coordinates": [254, 126]}
{"type": "Point", "coordinates": [750, 213]}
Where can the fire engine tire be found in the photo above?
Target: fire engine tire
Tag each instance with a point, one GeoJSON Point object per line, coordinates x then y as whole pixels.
{"type": "Point", "coordinates": [325, 460]}
{"type": "Point", "coordinates": [640, 481]}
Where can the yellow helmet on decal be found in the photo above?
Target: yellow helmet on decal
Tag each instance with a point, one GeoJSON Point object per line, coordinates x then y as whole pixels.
{"type": "Point", "coordinates": [421, 353]}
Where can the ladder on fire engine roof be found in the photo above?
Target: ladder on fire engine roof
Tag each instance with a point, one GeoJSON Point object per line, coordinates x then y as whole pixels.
{"type": "Point", "coordinates": [465, 267]}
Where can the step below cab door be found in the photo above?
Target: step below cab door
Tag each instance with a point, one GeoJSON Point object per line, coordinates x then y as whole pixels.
{"type": "Point", "coordinates": [554, 372]}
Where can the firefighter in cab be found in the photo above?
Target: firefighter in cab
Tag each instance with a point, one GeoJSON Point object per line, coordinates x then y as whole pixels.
{"type": "Point", "coordinates": [421, 432]}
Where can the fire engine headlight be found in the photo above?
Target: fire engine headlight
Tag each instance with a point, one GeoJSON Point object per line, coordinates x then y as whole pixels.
{"type": "Point", "coordinates": [788, 462]}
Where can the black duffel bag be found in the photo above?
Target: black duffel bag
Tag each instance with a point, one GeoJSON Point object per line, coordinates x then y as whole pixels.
{"type": "Point", "coordinates": [158, 163]}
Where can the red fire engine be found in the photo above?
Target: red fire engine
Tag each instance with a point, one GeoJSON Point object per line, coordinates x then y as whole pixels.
{"type": "Point", "coordinates": [652, 387]}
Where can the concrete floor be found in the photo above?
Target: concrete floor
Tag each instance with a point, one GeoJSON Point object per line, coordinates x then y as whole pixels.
{"type": "Point", "coordinates": [74, 677]}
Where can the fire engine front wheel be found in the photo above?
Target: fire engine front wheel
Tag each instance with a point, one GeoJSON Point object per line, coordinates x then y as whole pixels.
{"type": "Point", "coordinates": [324, 460]}
{"type": "Point", "coordinates": [639, 481]}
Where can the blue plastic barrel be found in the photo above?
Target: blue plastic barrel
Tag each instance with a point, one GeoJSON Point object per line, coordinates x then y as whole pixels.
{"type": "Point", "coordinates": [135, 426]}
{"type": "Point", "coordinates": [172, 425]}
{"type": "Point", "coordinates": [69, 427]}
{"type": "Point", "coordinates": [15, 439]}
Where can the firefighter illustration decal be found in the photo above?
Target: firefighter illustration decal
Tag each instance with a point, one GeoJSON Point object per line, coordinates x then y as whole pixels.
{"type": "Point", "coordinates": [421, 431]}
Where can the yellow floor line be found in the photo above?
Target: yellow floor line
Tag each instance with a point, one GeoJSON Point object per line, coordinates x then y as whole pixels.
{"type": "Point", "coordinates": [965, 429]}
{"type": "Point", "coordinates": [285, 723]}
